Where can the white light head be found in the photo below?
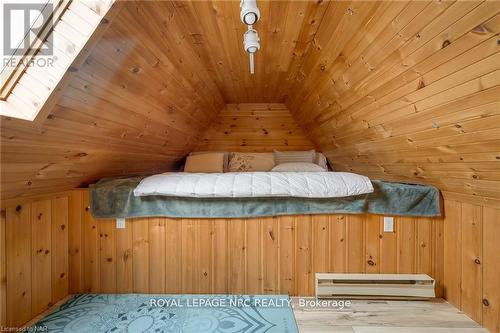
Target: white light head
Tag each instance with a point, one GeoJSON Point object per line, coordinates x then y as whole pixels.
{"type": "Point", "coordinates": [250, 13]}
{"type": "Point", "coordinates": [251, 44]}
{"type": "Point", "coordinates": [251, 41]}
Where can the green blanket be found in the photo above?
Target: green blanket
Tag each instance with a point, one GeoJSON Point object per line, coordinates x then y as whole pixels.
{"type": "Point", "coordinates": [114, 198]}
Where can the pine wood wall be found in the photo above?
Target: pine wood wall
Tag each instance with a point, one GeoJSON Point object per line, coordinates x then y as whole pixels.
{"type": "Point", "coordinates": [265, 255]}
{"type": "Point", "coordinates": [471, 262]}
{"type": "Point", "coordinates": [34, 265]}
{"type": "Point", "coordinates": [255, 127]}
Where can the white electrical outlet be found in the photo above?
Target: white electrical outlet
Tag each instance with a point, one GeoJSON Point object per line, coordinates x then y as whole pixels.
{"type": "Point", "coordinates": [120, 223]}
{"type": "Point", "coordinates": [388, 224]}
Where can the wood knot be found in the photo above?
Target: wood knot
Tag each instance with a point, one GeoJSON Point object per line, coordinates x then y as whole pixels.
{"type": "Point", "coordinates": [104, 21]}
{"type": "Point", "coordinates": [47, 251]}
{"type": "Point", "coordinates": [18, 208]}
{"type": "Point", "coordinates": [63, 226]}
{"type": "Point", "coordinates": [486, 302]}
{"type": "Point", "coordinates": [446, 43]}
{"type": "Point", "coordinates": [40, 216]}
{"type": "Point", "coordinates": [205, 273]}
{"type": "Point", "coordinates": [109, 259]}
{"type": "Point", "coordinates": [62, 275]}
{"type": "Point", "coordinates": [271, 234]}
{"type": "Point", "coordinates": [370, 262]}
{"type": "Point", "coordinates": [477, 261]}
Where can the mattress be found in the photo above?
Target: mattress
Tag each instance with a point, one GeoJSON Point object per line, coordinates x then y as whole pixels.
{"type": "Point", "coordinates": [255, 185]}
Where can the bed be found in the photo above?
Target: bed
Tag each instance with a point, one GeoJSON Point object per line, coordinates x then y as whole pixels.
{"type": "Point", "coordinates": [215, 185]}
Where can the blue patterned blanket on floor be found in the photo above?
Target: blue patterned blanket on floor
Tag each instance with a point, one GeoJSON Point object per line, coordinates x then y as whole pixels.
{"type": "Point", "coordinates": [95, 313]}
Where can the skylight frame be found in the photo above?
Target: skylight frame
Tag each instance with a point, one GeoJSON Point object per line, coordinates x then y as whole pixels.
{"type": "Point", "coordinates": [9, 77]}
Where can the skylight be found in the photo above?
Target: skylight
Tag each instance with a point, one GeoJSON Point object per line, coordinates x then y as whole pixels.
{"type": "Point", "coordinates": [40, 41]}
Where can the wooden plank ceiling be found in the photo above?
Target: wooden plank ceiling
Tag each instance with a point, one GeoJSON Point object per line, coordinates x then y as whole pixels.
{"type": "Point", "coordinates": [394, 90]}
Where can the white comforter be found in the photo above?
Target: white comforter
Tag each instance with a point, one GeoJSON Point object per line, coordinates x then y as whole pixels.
{"type": "Point", "coordinates": [255, 184]}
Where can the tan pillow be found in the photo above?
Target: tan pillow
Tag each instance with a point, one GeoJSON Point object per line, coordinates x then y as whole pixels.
{"type": "Point", "coordinates": [210, 162]}
{"type": "Point", "coordinates": [226, 156]}
{"type": "Point", "coordinates": [320, 160]}
{"type": "Point", "coordinates": [241, 162]}
{"type": "Point", "coordinates": [307, 156]}
{"type": "Point", "coordinates": [298, 167]}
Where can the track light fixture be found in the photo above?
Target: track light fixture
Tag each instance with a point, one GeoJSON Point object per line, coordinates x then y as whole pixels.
{"type": "Point", "coordinates": [249, 15]}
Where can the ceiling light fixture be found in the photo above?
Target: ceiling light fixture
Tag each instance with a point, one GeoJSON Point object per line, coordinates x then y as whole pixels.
{"type": "Point", "coordinates": [249, 15]}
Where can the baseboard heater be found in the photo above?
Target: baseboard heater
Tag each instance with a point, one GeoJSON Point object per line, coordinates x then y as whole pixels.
{"type": "Point", "coordinates": [374, 286]}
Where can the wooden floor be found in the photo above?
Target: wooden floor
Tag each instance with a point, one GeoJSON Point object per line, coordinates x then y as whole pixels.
{"type": "Point", "coordinates": [373, 317]}
{"type": "Point", "coordinates": [386, 317]}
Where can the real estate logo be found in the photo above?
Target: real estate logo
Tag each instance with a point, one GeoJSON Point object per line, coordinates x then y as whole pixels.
{"type": "Point", "coordinates": [23, 24]}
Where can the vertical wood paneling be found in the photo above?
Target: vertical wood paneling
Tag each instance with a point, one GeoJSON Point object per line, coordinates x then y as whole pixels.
{"type": "Point", "coordinates": [189, 261]}
{"type": "Point", "coordinates": [471, 280]}
{"type": "Point", "coordinates": [372, 248]}
{"type": "Point", "coordinates": [36, 256]}
{"type": "Point", "coordinates": [264, 255]}
{"type": "Point", "coordinates": [491, 269]}
{"type": "Point", "coordinates": [18, 264]}
{"type": "Point", "coordinates": [124, 258]}
{"type": "Point", "coordinates": [425, 248]}
{"type": "Point", "coordinates": [438, 256]}
{"type": "Point", "coordinates": [237, 257]}
{"type": "Point", "coordinates": [388, 260]}
{"type": "Point", "coordinates": [91, 248]}
{"type": "Point", "coordinates": [76, 240]}
{"type": "Point", "coordinates": [60, 249]}
{"type": "Point", "coordinates": [173, 255]}
{"type": "Point", "coordinates": [338, 241]}
{"type": "Point", "coordinates": [107, 256]}
{"type": "Point", "coordinates": [270, 255]}
{"type": "Point", "coordinates": [321, 251]}
{"type": "Point", "coordinates": [355, 244]}
{"type": "Point", "coordinates": [286, 225]}
{"type": "Point", "coordinates": [452, 252]}
{"type": "Point", "coordinates": [140, 253]}
{"type": "Point", "coordinates": [407, 246]}
{"type": "Point", "coordinates": [220, 257]}
{"type": "Point", "coordinates": [157, 260]}
{"type": "Point", "coordinates": [204, 256]}
{"type": "Point", "coordinates": [303, 257]}
{"type": "Point", "coordinates": [3, 267]}
{"type": "Point", "coordinates": [254, 262]}
{"type": "Point", "coordinates": [41, 248]}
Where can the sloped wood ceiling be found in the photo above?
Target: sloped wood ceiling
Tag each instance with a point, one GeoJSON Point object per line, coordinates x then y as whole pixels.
{"type": "Point", "coordinates": [140, 102]}
{"type": "Point", "coordinates": [400, 90]}
{"type": "Point", "coordinates": [255, 127]}
{"type": "Point", "coordinates": [407, 92]}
